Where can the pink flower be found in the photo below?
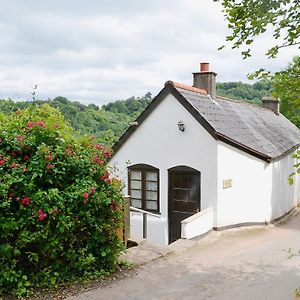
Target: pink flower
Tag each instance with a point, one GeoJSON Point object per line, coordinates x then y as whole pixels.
{"type": "Point", "coordinates": [2, 162]}
{"type": "Point", "coordinates": [24, 170]}
{"type": "Point", "coordinates": [1, 140]}
{"type": "Point", "coordinates": [26, 157]}
{"type": "Point", "coordinates": [37, 123]}
{"type": "Point", "coordinates": [50, 166]}
{"type": "Point", "coordinates": [97, 146]}
{"type": "Point", "coordinates": [25, 201]}
{"type": "Point", "coordinates": [93, 189]}
{"type": "Point", "coordinates": [105, 176]}
{"type": "Point", "coordinates": [14, 165]}
{"type": "Point", "coordinates": [107, 154]}
{"type": "Point", "coordinates": [42, 215]}
{"type": "Point", "coordinates": [85, 195]}
{"type": "Point", "coordinates": [49, 157]}
{"type": "Point", "coordinates": [18, 199]}
{"type": "Point", "coordinates": [97, 160]}
{"type": "Point", "coordinates": [30, 125]}
{"type": "Point", "coordinates": [41, 124]}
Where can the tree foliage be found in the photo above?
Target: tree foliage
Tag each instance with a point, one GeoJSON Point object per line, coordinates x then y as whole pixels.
{"type": "Point", "coordinates": [107, 123]}
{"type": "Point", "coordinates": [286, 86]}
{"type": "Point", "coordinates": [132, 106]}
{"type": "Point", "coordinates": [59, 206]}
{"type": "Point", "coordinates": [251, 93]}
{"type": "Point", "coordinates": [296, 156]}
{"type": "Point", "coordinates": [248, 19]}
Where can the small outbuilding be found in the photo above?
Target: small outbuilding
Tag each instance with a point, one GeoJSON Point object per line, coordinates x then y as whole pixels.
{"type": "Point", "coordinates": [198, 162]}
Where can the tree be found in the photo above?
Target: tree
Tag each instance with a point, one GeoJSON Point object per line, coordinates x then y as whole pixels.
{"type": "Point", "coordinates": [286, 86]}
{"type": "Point", "coordinates": [248, 19]}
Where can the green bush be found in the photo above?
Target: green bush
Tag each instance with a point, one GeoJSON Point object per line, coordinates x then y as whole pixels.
{"type": "Point", "coordinates": [59, 208]}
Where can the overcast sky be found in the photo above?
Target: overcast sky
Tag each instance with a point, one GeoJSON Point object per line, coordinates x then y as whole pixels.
{"type": "Point", "coordinates": [98, 51]}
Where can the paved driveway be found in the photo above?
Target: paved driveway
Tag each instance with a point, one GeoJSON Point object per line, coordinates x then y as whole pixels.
{"type": "Point", "coordinates": [240, 264]}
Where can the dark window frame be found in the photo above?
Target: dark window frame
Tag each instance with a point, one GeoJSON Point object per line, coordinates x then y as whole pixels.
{"type": "Point", "coordinates": [143, 168]}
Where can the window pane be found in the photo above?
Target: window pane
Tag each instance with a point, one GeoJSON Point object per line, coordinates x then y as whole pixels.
{"type": "Point", "coordinates": [136, 174]}
{"type": "Point", "coordinates": [151, 195]}
{"type": "Point", "coordinates": [136, 203]}
{"type": "Point", "coordinates": [150, 175]}
{"type": "Point", "coordinates": [151, 205]}
{"type": "Point", "coordinates": [136, 194]}
{"type": "Point", "coordinates": [137, 185]}
{"type": "Point", "coordinates": [151, 186]}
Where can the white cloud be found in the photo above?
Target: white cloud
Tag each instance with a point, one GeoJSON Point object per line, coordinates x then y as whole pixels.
{"type": "Point", "coordinates": [103, 50]}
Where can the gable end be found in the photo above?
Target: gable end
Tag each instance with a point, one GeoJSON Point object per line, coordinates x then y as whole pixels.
{"type": "Point", "coordinates": [154, 103]}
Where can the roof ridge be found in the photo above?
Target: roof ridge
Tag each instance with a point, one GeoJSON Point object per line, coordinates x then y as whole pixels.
{"type": "Point", "coordinates": [228, 99]}
{"type": "Point", "coordinates": [245, 102]}
{"type": "Point", "coordinates": [186, 87]}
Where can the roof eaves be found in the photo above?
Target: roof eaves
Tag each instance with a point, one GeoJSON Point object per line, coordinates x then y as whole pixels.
{"type": "Point", "coordinates": [235, 144]}
{"type": "Point", "coordinates": [289, 151]}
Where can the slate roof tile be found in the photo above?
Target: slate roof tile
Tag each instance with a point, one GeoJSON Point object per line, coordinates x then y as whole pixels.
{"type": "Point", "coordinates": [255, 127]}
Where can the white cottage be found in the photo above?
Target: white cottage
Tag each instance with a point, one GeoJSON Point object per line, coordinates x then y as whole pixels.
{"type": "Point", "coordinates": [200, 162]}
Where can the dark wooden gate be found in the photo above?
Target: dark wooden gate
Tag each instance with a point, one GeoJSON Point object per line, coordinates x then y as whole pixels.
{"type": "Point", "coordinates": [184, 198]}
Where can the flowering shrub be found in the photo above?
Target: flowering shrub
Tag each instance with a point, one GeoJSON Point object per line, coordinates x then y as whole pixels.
{"type": "Point", "coordinates": [59, 206]}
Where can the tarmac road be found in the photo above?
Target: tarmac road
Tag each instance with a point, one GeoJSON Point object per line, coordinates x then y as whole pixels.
{"type": "Point", "coordinates": [238, 264]}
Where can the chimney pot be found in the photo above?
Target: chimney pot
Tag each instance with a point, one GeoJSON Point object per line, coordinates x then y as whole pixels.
{"type": "Point", "coordinates": [204, 67]}
{"type": "Point", "coordinates": [271, 103]}
{"type": "Point", "coordinates": [205, 79]}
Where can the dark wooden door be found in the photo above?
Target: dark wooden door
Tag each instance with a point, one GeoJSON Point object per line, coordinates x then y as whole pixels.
{"type": "Point", "coordinates": [184, 198]}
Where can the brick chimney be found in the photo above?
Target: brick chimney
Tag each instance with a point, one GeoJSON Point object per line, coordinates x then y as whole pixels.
{"type": "Point", "coordinates": [271, 103]}
{"type": "Point", "coordinates": [205, 79]}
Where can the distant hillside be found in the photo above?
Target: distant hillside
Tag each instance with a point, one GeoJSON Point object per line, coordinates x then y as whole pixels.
{"type": "Point", "coordinates": [132, 107]}
{"type": "Point", "coordinates": [242, 91]}
{"type": "Point", "coordinates": [109, 122]}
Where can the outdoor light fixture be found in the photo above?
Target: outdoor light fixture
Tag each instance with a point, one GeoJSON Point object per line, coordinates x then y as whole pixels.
{"type": "Point", "coordinates": [133, 124]}
{"type": "Point", "coordinates": [181, 126]}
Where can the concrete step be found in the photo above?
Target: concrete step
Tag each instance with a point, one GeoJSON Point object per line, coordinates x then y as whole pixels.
{"type": "Point", "coordinates": [144, 253]}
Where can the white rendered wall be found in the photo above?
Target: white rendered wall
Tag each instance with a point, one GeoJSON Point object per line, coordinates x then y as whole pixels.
{"type": "Point", "coordinates": [260, 190]}
{"type": "Point", "coordinates": [159, 143]}
{"type": "Point", "coordinates": [283, 195]}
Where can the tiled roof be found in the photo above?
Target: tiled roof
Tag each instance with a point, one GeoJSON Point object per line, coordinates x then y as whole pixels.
{"type": "Point", "coordinates": [186, 87]}
{"type": "Point", "coordinates": [253, 127]}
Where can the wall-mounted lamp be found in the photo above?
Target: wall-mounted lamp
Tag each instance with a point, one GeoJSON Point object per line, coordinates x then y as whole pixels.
{"type": "Point", "coordinates": [181, 126]}
{"type": "Point", "coordinates": [133, 124]}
